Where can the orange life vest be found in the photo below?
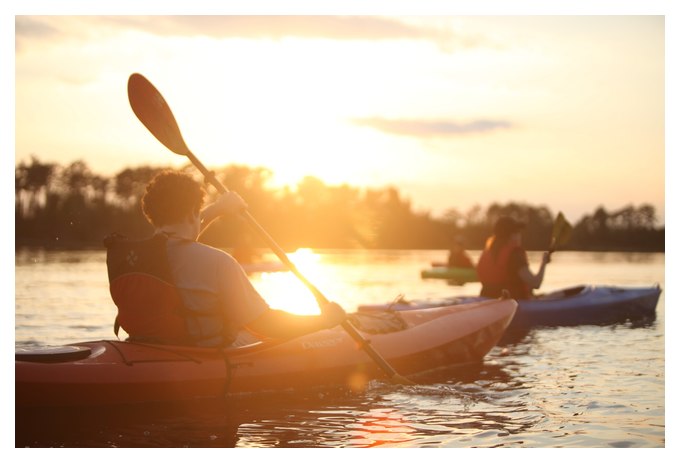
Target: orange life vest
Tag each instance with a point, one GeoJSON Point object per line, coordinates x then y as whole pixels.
{"type": "Point", "coordinates": [140, 281]}
{"type": "Point", "coordinates": [495, 275]}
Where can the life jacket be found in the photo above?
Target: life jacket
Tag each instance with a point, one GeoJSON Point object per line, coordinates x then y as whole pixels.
{"type": "Point", "coordinates": [494, 274]}
{"type": "Point", "coordinates": [150, 307]}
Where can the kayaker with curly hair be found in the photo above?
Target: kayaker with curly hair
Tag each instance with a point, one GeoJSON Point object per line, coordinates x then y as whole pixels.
{"type": "Point", "coordinates": [504, 264]}
{"type": "Point", "coordinates": [173, 289]}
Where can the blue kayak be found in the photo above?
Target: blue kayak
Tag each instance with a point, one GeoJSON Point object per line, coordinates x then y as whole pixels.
{"type": "Point", "coordinates": [578, 305]}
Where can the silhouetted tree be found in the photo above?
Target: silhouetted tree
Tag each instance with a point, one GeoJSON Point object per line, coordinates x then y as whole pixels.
{"type": "Point", "coordinates": [72, 205]}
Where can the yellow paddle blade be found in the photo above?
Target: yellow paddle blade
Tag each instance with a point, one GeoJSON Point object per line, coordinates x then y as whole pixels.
{"type": "Point", "coordinates": [561, 232]}
{"type": "Point", "coordinates": [153, 111]}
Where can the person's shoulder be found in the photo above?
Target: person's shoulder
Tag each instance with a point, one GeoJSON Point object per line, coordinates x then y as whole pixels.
{"type": "Point", "coordinates": [207, 253]}
{"type": "Point", "coordinates": [217, 253]}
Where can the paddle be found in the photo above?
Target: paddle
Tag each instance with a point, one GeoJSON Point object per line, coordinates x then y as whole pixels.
{"type": "Point", "coordinates": [153, 111]}
{"type": "Point", "coordinates": [561, 232]}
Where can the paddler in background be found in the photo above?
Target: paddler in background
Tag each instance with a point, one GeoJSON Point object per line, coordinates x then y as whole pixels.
{"type": "Point", "coordinates": [458, 258]}
{"type": "Point", "coordinates": [504, 264]}
{"type": "Point", "coordinates": [172, 289]}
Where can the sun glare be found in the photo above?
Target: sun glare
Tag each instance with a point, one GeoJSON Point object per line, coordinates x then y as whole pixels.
{"type": "Point", "coordinates": [255, 107]}
{"type": "Point", "coordinates": [284, 291]}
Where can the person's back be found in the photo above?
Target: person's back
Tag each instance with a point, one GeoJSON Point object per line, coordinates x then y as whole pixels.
{"type": "Point", "coordinates": [504, 265]}
{"type": "Point", "coordinates": [498, 271]}
{"type": "Point", "coordinates": [150, 306]}
{"type": "Point", "coordinates": [209, 280]}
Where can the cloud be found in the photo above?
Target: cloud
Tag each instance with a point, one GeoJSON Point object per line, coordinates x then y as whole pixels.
{"type": "Point", "coordinates": [30, 27]}
{"type": "Point", "coordinates": [256, 27]}
{"type": "Point", "coordinates": [432, 128]}
{"type": "Point", "coordinates": [276, 27]}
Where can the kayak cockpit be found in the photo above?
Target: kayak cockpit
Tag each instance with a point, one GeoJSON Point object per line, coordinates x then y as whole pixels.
{"type": "Point", "coordinates": [51, 354]}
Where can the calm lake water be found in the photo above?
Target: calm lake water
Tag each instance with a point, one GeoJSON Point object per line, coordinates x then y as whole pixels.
{"type": "Point", "coordinates": [585, 386]}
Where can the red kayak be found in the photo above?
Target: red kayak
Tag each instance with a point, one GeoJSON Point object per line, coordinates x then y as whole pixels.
{"type": "Point", "coordinates": [116, 372]}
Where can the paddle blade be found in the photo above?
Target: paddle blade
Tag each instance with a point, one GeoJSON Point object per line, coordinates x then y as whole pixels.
{"type": "Point", "coordinates": [150, 107]}
{"type": "Point", "coordinates": [561, 232]}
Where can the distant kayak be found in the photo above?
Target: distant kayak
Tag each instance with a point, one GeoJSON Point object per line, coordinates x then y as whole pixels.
{"type": "Point", "coordinates": [578, 305]}
{"type": "Point", "coordinates": [459, 275]}
{"type": "Point", "coordinates": [112, 372]}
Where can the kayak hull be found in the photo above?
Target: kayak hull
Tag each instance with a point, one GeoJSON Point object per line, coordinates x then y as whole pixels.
{"type": "Point", "coordinates": [117, 372]}
{"type": "Point", "coordinates": [579, 305]}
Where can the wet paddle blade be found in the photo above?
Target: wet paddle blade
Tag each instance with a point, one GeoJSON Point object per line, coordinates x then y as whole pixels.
{"type": "Point", "coordinates": [152, 110]}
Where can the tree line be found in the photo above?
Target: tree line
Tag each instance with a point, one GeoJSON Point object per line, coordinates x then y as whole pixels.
{"type": "Point", "coordinates": [70, 206]}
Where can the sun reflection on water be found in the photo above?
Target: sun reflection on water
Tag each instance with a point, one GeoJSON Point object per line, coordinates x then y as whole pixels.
{"type": "Point", "coordinates": [379, 427]}
{"type": "Point", "coordinates": [285, 291]}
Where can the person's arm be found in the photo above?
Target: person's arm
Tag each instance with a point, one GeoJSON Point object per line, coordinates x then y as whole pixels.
{"type": "Point", "coordinates": [531, 280]}
{"type": "Point", "coordinates": [245, 308]}
{"type": "Point", "coordinates": [229, 203]}
{"type": "Point", "coordinates": [279, 324]}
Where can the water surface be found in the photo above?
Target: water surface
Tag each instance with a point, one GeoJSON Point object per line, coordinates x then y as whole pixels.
{"type": "Point", "coordinates": [584, 386]}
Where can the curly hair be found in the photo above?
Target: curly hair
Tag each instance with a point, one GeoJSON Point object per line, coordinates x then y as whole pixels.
{"type": "Point", "coordinates": [170, 197]}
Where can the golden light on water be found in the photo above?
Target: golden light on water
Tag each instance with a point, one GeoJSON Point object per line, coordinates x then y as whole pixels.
{"type": "Point", "coordinates": [380, 427]}
{"type": "Point", "coordinates": [305, 259]}
{"type": "Point", "coordinates": [285, 291]}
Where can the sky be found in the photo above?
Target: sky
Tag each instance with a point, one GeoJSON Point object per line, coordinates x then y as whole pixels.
{"type": "Point", "coordinates": [452, 110]}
